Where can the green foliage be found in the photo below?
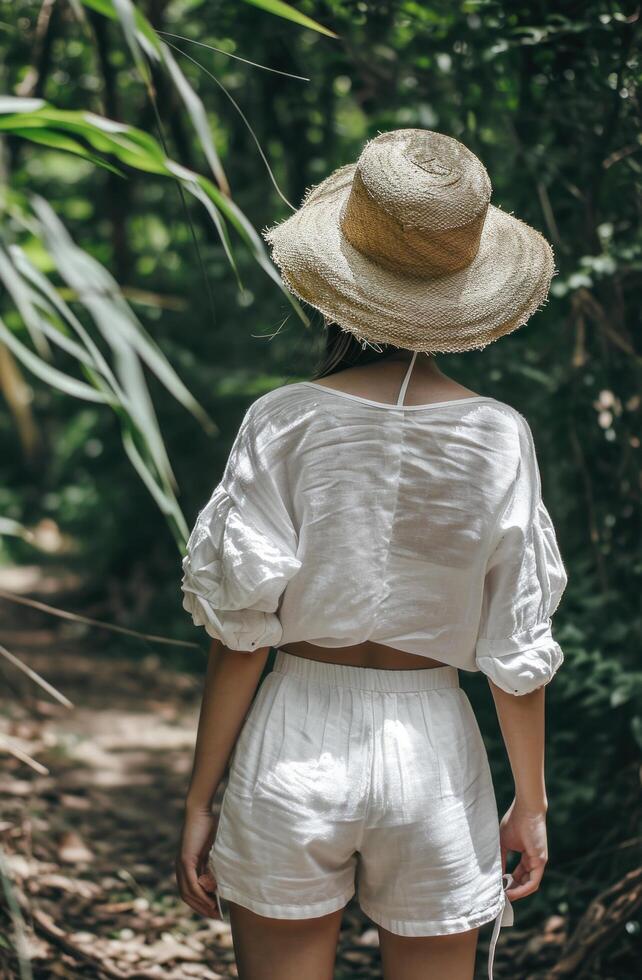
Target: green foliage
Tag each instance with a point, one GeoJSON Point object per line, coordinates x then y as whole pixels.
{"type": "Point", "coordinates": [548, 97]}
{"type": "Point", "coordinates": [281, 9]}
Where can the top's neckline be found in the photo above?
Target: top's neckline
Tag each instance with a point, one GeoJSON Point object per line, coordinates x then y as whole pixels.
{"type": "Point", "coordinates": [390, 405]}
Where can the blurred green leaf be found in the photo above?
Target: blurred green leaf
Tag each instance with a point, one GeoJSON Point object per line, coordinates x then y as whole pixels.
{"type": "Point", "coordinates": [280, 9]}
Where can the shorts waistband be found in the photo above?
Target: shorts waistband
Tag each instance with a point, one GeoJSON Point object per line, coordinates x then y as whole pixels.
{"type": "Point", "coordinates": [367, 678]}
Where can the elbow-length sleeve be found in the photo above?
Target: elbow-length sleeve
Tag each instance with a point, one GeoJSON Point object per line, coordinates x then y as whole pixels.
{"type": "Point", "coordinates": [241, 552]}
{"type": "Point", "coordinates": [524, 582]}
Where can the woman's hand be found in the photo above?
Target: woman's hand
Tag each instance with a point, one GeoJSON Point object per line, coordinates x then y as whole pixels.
{"type": "Point", "coordinates": [524, 830]}
{"type": "Point", "coordinates": [195, 880]}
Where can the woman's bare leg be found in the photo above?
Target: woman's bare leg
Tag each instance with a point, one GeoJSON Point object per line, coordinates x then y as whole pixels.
{"type": "Point", "coordinates": [428, 957]}
{"type": "Point", "coordinates": [284, 949]}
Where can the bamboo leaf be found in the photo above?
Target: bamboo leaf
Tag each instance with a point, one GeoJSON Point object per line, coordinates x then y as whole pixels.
{"type": "Point", "coordinates": [131, 377]}
{"type": "Point", "coordinates": [107, 9]}
{"type": "Point", "coordinates": [135, 41]}
{"type": "Point", "coordinates": [41, 283]}
{"type": "Point", "coordinates": [130, 146]}
{"type": "Point", "coordinates": [13, 103]}
{"type": "Point", "coordinates": [164, 498]}
{"type": "Point", "coordinates": [113, 317]}
{"type": "Point", "coordinates": [15, 289]}
{"type": "Point", "coordinates": [197, 113]}
{"type": "Point", "coordinates": [194, 188]}
{"type": "Point", "coordinates": [50, 375]}
{"type": "Point", "coordinates": [58, 141]}
{"type": "Point", "coordinates": [30, 303]}
{"type": "Point", "coordinates": [129, 135]}
{"type": "Point", "coordinates": [280, 9]}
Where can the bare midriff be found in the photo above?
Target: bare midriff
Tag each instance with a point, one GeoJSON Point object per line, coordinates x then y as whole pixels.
{"type": "Point", "coordinates": [366, 654]}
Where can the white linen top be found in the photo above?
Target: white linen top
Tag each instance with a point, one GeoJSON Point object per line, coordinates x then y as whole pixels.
{"type": "Point", "coordinates": [340, 519]}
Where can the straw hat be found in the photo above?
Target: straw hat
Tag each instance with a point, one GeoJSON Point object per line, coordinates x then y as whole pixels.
{"type": "Point", "coordinates": [404, 248]}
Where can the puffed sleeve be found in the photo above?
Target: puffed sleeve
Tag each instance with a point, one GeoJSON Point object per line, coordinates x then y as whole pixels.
{"type": "Point", "coordinates": [241, 552]}
{"type": "Point", "coordinates": [524, 582]}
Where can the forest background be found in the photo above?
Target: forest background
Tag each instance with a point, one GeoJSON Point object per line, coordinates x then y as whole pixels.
{"type": "Point", "coordinates": [140, 315]}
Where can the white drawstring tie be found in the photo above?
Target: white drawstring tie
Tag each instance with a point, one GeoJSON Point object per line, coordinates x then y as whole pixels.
{"type": "Point", "coordinates": [505, 917]}
{"type": "Point", "coordinates": [218, 902]}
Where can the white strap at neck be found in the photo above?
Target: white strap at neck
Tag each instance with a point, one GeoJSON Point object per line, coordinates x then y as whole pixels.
{"type": "Point", "coordinates": [402, 390]}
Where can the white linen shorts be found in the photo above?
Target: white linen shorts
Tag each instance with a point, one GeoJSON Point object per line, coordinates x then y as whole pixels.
{"type": "Point", "coordinates": [358, 780]}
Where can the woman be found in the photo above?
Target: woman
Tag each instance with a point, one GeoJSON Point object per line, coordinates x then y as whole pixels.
{"type": "Point", "coordinates": [383, 528]}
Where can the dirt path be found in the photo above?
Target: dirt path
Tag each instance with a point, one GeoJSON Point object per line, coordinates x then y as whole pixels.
{"type": "Point", "coordinates": [87, 844]}
{"type": "Point", "coordinates": [90, 845]}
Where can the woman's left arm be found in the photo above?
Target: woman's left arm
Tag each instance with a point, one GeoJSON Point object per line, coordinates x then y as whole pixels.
{"type": "Point", "coordinates": [230, 683]}
{"type": "Point", "coordinates": [523, 827]}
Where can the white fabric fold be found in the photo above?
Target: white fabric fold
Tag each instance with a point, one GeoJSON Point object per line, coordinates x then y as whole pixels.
{"type": "Point", "coordinates": [525, 579]}
{"type": "Point", "coordinates": [522, 663]}
{"type": "Point", "coordinates": [234, 573]}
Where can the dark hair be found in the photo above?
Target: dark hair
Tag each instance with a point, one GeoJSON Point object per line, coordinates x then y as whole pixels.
{"type": "Point", "coordinates": [343, 350]}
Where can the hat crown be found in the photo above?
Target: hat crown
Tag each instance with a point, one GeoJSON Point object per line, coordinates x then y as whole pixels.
{"type": "Point", "coordinates": [417, 203]}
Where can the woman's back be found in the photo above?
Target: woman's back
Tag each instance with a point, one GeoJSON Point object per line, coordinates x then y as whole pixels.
{"type": "Point", "coordinates": [343, 521]}
{"type": "Point", "coordinates": [411, 380]}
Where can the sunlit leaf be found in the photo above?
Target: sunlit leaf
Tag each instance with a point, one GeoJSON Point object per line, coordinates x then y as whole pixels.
{"type": "Point", "coordinates": [280, 9]}
{"type": "Point", "coordinates": [58, 141]}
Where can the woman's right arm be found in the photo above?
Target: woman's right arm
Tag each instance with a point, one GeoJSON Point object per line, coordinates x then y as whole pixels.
{"type": "Point", "coordinates": [523, 827]}
{"type": "Point", "coordinates": [231, 680]}
{"type": "Point", "coordinates": [240, 555]}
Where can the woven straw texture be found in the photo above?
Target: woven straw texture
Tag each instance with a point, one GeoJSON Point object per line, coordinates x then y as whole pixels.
{"type": "Point", "coordinates": [404, 248]}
